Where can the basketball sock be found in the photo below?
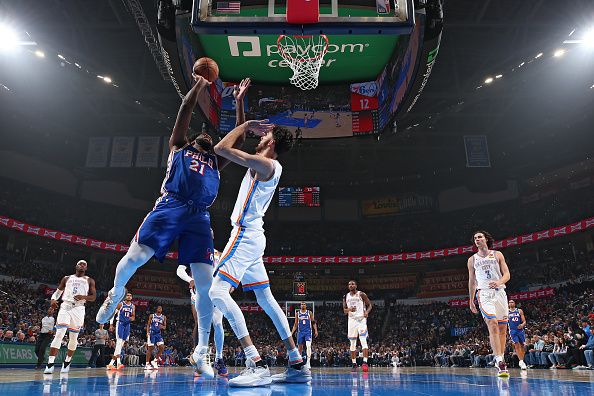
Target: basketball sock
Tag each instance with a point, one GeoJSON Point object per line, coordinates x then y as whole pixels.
{"type": "Point", "coordinates": [51, 360]}
{"type": "Point", "coordinates": [219, 294]}
{"type": "Point", "coordinates": [498, 359]}
{"type": "Point", "coordinates": [111, 362]}
{"type": "Point", "coordinates": [68, 359]}
{"type": "Point", "coordinates": [269, 304]}
{"type": "Point", "coordinates": [354, 361]}
{"type": "Point", "coordinates": [294, 356]}
{"type": "Point", "coordinates": [364, 360]}
{"type": "Point", "coordinates": [202, 275]}
{"type": "Point", "coordinates": [135, 258]}
{"type": "Point", "coordinates": [252, 353]}
{"type": "Point", "coordinates": [67, 363]}
{"type": "Point", "coordinates": [118, 361]}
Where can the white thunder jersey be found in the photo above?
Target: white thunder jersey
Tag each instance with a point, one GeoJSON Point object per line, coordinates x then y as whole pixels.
{"type": "Point", "coordinates": [76, 285]}
{"type": "Point", "coordinates": [254, 198]}
{"type": "Point", "coordinates": [486, 269]}
{"type": "Point", "coordinates": [355, 300]}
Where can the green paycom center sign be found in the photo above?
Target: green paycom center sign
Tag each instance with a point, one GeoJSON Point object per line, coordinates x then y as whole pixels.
{"type": "Point", "coordinates": [15, 354]}
{"type": "Point", "coordinates": [354, 58]}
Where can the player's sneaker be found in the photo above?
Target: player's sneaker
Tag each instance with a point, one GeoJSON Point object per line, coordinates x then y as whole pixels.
{"type": "Point", "coordinates": [109, 306]}
{"type": "Point", "coordinates": [291, 375]}
{"type": "Point", "coordinates": [49, 370]}
{"type": "Point", "coordinates": [221, 368]}
{"type": "Point", "coordinates": [523, 365]}
{"type": "Point", "coordinates": [148, 367]}
{"type": "Point", "coordinates": [120, 366]}
{"type": "Point", "coordinates": [354, 367]}
{"type": "Point", "coordinates": [110, 367]}
{"type": "Point", "coordinates": [502, 369]}
{"type": "Point", "coordinates": [364, 367]}
{"type": "Point", "coordinates": [65, 367]}
{"type": "Point", "coordinates": [198, 361]}
{"type": "Point", "coordinates": [252, 376]}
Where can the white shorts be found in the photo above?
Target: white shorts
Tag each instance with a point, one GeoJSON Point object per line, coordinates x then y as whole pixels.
{"type": "Point", "coordinates": [241, 261]}
{"type": "Point", "coordinates": [357, 328]}
{"type": "Point", "coordinates": [493, 304]}
{"type": "Point", "coordinates": [70, 316]}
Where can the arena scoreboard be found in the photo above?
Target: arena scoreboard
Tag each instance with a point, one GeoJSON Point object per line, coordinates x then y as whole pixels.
{"type": "Point", "coordinates": [299, 289]}
{"type": "Point", "coordinates": [291, 197]}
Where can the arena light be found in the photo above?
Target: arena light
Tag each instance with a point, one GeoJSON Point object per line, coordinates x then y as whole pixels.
{"type": "Point", "coordinates": [538, 55]}
{"type": "Point", "coordinates": [588, 39]}
{"type": "Point", "coordinates": [40, 54]}
{"type": "Point", "coordinates": [499, 76]}
{"type": "Point", "coordinates": [488, 80]}
{"type": "Point", "coordinates": [107, 80]}
{"type": "Point", "coordinates": [559, 53]}
{"type": "Point", "coordinates": [9, 40]}
{"type": "Point", "coordinates": [61, 57]}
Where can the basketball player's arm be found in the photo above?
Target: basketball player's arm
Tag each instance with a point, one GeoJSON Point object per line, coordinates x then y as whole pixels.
{"type": "Point", "coordinates": [505, 275]}
{"type": "Point", "coordinates": [92, 296]}
{"type": "Point", "coordinates": [294, 329]}
{"type": "Point", "coordinates": [345, 309]}
{"type": "Point", "coordinates": [148, 324]}
{"type": "Point", "coordinates": [58, 292]}
{"type": "Point", "coordinates": [314, 323]}
{"type": "Point", "coordinates": [133, 316]}
{"type": "Point", "coordinates": [113, 318]}
{"type": "Point", "coordinates": [471, 285]}
{"type": "Point", "coordinates": [178, 137]}
{"type": "Point", "coordinates": [264, 167]}
{"type": "Point", "coordinates": [368, 304]}
{"type": "Point", "coordinates": [164, 325]}
{"type": "Point", "coordinates": [523, 324]}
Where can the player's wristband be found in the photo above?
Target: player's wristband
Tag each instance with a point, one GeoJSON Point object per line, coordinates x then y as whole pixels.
{"type": "Point", "coordinates": [57, 294]}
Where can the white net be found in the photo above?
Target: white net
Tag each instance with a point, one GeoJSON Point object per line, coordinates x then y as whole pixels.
{"type": "Point", "coordinates": [305, 55]}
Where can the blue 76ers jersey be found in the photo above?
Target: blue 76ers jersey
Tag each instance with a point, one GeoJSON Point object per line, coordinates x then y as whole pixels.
{"type": "Point", "coordinates": [192, 176]}
{"type": "Point", "coordinates": [125, 313]}
{"type": "Point", "coordinates": [304, 324]}
{"type": "Point", "coordinates": [156, 324]}
{"type": "Point", "coordinates": [514, 319]}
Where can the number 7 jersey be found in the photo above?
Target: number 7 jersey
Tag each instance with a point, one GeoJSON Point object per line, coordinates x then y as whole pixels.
{"type": "Point", "coordinates": [192, 176]}
{"type": "Point", "coordinates": [486, 269]}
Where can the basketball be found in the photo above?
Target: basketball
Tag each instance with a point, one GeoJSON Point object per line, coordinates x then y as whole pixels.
{"type": "Point", "coordinates": [207, 68]}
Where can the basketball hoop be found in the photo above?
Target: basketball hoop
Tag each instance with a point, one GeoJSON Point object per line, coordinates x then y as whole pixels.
{"type": "Point", "coordinates": [305, 55]}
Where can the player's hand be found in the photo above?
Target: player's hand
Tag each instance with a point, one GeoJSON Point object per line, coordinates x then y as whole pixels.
{"type": "Point", "coordinates": [259, 127]}
{"type": "Point", "coordinates": [365, 314]}
{"type": "Point", "coordinates": [80, 297]}
{"type": "Point", "coordinates": [315, 334]}
{"type": "Point", "coordinates": [493, 285]}
{"type": "Point", "coordinates": [520, 326]}
{"type": "Point", "coordinates": [192, 285]}
{"type": "Point", "coordinates": [353, 309]}
{"type": "Point", "coordinates": [583, 347]}
{"type": "Point", "coordinates": [240, 90]}
{"type": "Point", "coordinates": [54, 304]}
{"type": "Point", "coordinates": [199, 79]}
{"type": "Point", "coordinates": [473, 307]}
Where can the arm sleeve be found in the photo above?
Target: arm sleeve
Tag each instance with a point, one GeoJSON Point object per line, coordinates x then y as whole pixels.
{"type": "Point", "coordinates": [181, 272]}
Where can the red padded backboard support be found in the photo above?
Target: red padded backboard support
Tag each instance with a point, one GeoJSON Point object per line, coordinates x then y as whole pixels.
{"type": "Point", "coordinates": [302, 12]}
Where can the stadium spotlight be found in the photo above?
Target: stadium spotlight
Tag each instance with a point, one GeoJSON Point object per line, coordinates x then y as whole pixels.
{"type": "Point", "coordinates": [8, 38]}
{"type": "Point", "coordinates": [489, 80]}
{"type": "Point", "coordinates": [538, 55]}
{"type": "Point", "coordinates": [588, 39]}
{"type": "Point", "coordinates": [499, 76]}
{"type": "Point", "coordinates": [40, 54]}
{"type": "Point", "coordinates": [107, 80]}
{"type": "Point", "coordinates": [559, 53]}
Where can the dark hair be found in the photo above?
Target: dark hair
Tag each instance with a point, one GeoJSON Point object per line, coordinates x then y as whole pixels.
{"type": "Point", "coordinates": [352, 280]}
{"type": "Point", "coordinates": [488, 237]}
{"type": "Point", "coordinates": [283, 139]}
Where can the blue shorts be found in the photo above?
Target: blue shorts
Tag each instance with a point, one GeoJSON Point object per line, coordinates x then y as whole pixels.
{"type": "Point", "coordinates": [123, 331]}
{"type": "Point", "coordinates": [518, 336]}
{"type": "Point", "coordinates": [155, 339]}
{"type": "Point", "coordinates": [172, 219]}
{"type": "Point", "coordinates": [302, 337]}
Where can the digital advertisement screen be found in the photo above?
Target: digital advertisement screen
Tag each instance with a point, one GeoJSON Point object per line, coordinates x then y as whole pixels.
{"type": "Point", "coordinates": [298, 197]}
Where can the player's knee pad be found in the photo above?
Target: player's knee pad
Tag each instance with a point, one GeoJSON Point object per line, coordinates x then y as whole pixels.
{"type": "Point", "coordinates": [72, 340]}
{"type": "Point", "coordinates": [363, 342]}
{"type": "Point", "coordinates": [353, 346]}
{"type": "Point", "coordinates": [57, 341]}
{"type": "Point", "coordinates": [269, 304]}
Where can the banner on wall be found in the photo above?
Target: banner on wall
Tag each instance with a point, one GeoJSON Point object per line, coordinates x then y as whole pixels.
{"type": "Point", "coordinates": [412, 203]}
{"type": "Point", "coordinates": [555, 232]}
{"type": "Point", "coordinates": [24, 354]}
{"type": "Point", "coordinates": [477, 151]}
{"type": "Point", "coordinates": [529, 295]}
{"type": "Point", "coordinates": [147, 153]}
{"type": "Point", "coordinates": [97, 152]}
{"type": "Point", "coordinates": [121, 152]}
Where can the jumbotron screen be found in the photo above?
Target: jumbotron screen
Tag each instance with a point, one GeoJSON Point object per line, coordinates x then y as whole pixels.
{"type": "Point", "coordinates": [292, 197]}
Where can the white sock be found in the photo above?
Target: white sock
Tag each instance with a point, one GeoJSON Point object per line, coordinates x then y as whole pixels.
{"type": "Point", "coordinates": [111, 362]}
{"type": "Point", "coordinates": [498, 358]}
{"type": "Point", "coordinates": [354, 361]}
{"type": "Point", "coordinates": [252, 353]}
{"type": "Point", "coordinates": [118, 360]}
{"type": "Point", "coordinates": [364, 360]}
{"type": "Point", "coordinates": [295, 356]}
{"type": "Point", "coordinates": [51, 359]}
{"type": "Point", "coordinates": [68, 358]}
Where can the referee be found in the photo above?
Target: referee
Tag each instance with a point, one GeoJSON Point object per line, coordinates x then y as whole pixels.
{"type": "Point", "coordinates": [45, 336]}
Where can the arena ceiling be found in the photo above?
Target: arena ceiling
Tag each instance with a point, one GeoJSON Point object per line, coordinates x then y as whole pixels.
{"type": "Point", "coordinates": [535, 118]}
